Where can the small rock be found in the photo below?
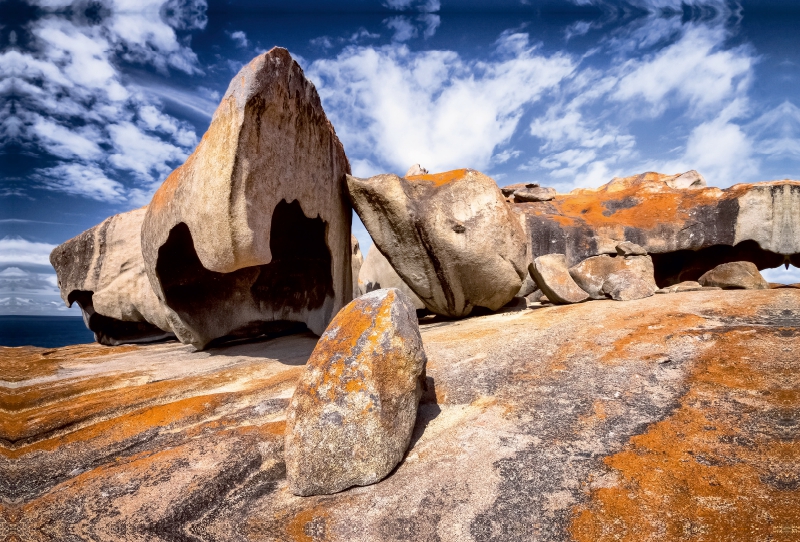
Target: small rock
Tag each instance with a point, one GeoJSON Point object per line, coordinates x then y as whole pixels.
{"type": "Point", "coordinates": [356, 261]}
{"type": "Point", "coordinates": [350, 420]}
{"type": "Point", "coordinates": [529, 195]}
{"type": "Point", "coordinates": [732, 275]}
{"type": "Point", "coordinates": [627, 285]}
{"type": "Point", "coordinates": [685, 286]}
{"type": "Point", "coordinates": [627, 248]}
{"type": "Point", "coordinates": [552, 276]}
{"type": "Point", "coordinates": [416, 169]}
{"type": "Point", "coordinates": [510, 189]}
{"type": "Point", "coordinates": [690, 179]}
{"type": "Point", "coordinates": [528, 287]}
{"type": "Point", "coordinates": [592, 273]}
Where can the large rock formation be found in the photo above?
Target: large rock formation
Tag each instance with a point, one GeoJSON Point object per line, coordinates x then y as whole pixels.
{"type": "Point", "coordinates": [103, 272]}
{"type": "Point", "coordinates": [350, 419]}
{"type": "Point", "coordinates": [253, 231]}
{"type": "Point", "coordinates": [686, 227]}
{"type": "Point", "coordinates": [667, 418]}
{"type": "Point", "coordinates": [450, 236]}
{"type": "Point", "coordinates": [377, 273]}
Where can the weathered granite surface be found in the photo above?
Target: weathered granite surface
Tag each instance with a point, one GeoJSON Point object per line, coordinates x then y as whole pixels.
{"type": "Point", "coordinates": [667, 418]}
{"type": "Point", "coordinates": [688, 229]}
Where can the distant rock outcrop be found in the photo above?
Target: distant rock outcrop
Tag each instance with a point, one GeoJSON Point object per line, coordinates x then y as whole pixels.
{"type": "Point", "coordinates": [686, 227]}
{"type": "Point", "coordinates": [350, 419]}
{"type": "Point", "coordinates": [450, 236]}
{"type": "Point", "coordinates": [103, 272]}
{"type": "Point", "coordinates": [357, 260]}
{"type": "Point", "coordinates": [377, 273]}
{"type": "Point", "coordinates": [252, 232]}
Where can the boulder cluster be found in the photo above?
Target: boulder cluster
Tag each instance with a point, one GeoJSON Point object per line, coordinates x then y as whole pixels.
{"type": "Point", "coordinates": [251, 237]}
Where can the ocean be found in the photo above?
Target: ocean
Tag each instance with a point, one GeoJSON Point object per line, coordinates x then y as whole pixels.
{"type": "Point", "coordinates": [45, 331]}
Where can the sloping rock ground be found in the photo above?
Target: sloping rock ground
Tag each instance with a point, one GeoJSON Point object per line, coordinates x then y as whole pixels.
{"type": "Point", "coordinates": [667, 418]}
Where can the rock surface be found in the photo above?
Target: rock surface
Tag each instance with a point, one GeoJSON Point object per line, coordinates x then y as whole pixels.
{"type": "Point", "coordinates": [357, 261]}
{"type": "Point", "coordinates": [667, 418]}
{"type": "Point", "coordinates": [627, 285]}
{"type": "Point", "coordinates": [450, 236]}
{"type": "Point", "coordinates": [511, 188]}
{"type": "Point", "coordinates": [626, 248]}
{"type": "Point", "coordinates": [252, 232]}
{"type": "Point", "coordinates": [102, 270]}
{"type": "Point", "coordinates": [685, 286]}
{"type": "Point", "coordinates": [416, 169]}
{"type": "Point", "coordinates": [687, 231]}
{"type": "Point", "coordinates": [534, 194]}
{"type": "Point", "coordinates": [742, 275]}
{"type": "Point", "coordinates": [553, 278]}
{"type": "Point", "coordinates": [592, 274]}
{"type": "Point", "coordinates": [377, 273]}
{"type": "Point", "coordinates": [528, 286]}
{"type": "Point", "coordinates": [350, 419]}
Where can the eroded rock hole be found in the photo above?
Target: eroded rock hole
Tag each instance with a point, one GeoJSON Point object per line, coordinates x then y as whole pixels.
{"type": "Point", "coordinates": [674, 267]}
{"type": "Point", "coordinates": [112, 332]}
{"type": "Point", "coordinates": [253, 300]}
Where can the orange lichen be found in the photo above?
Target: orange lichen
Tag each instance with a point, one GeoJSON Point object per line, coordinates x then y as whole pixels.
{"type": "Point", "coordinates": [439, 179]}
{"type": "Point", "coordinates": [708, 472]}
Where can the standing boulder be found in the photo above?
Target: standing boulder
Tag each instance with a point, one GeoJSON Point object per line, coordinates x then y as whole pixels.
{"type": "Point", "coordinates": [450, 236]}
{"type": "Point", "coordinates": [377, 273]}
{"type": "Point", "coordinates": [552, 276]}
{"type": "Point", "coordinates": [592, 275]}
{"type": "Point", "coordinates": [732, 275]}
{"type": "Point", "coordinates": [350, 420]}
{"type": "Point", "coordinates": [357, 260]}
{"type": "Point", "coordinates": [252, 232]}
{"type": "Point", "coordinates": [103, 272]}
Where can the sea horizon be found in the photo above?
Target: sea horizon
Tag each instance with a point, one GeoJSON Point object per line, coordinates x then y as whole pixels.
{"type": "Point", "coordinates": [46, 331]}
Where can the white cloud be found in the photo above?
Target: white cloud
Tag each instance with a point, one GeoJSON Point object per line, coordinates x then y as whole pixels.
{"type": "Point", "coordinates": [78, 179]}
{"type": "Point", "coordinates": [19, 251]}
{"type": "Point", "coordinates": [239, 38]}
{"type": "Point", "coordinates": [425, 6]}
{"type": "Point", "coordinates": [693, 69]}
{"type": "Point", "coordinates": [73, 102]}
{"type": "Point", "coordinates": [782, 275]}
{"type": "Point", "coordinates": [395, 107]}
{"type": "Point", "coordinates": [403, 28]}
{"type": "Point", "coordinates": [777, 132]}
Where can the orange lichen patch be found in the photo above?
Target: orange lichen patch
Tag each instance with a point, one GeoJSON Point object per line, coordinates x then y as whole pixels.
{"type": "Point", "coordinates": [645, 336]}
{"type": "Point", "coordinates": [721, 466]}
{"type": "Point", "coordinates": [27, 362]}
{"type": "Point", "coordinates": [80, 415]}
{"type": "Point", "coordinates": [298, 526]}
{"type": "Point", "coordinates": [439, 179]}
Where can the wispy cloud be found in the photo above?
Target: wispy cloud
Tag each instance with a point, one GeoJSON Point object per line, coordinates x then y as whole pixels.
{"type": "Point", "coordinates": [19, 251]}
{"type": "Point", "coordinates": [73, 102]}
{"type": "Point", "coordinates": [393, 107]}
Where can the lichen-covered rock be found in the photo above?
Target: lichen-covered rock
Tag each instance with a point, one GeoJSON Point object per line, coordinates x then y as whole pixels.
{"type": "Point", "coordinates": [552, 276]}
{"type": "Point", "coordinates": [377, 273]}
{"type": "Point", "coordinates": [103, 272]}
{"type": "Point", "coordinates": [350, 419]}
{"type": "Point", "coordinates": [735, 275]}
{"type": "Point", "coordinates": [538, 193]}
{"type": "Point", "coordinates": [592, 273]}
{"type": "Point", "coordinates": [357, 260]}
{"type": "Point", "coordinates": [451, 237]}
{"type": "Point", "coordinates": [627, 285]}
{"type": "Point", "coordinates": [252, 232]}
{"type": "Point", "coordinates": [686, 227]}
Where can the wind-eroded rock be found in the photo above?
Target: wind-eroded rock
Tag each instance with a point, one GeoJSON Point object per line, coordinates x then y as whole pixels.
{"type": "Point", "coordinates": [552, 276]}
{"type": "Point", "coordinates": [592, 274]}
{"type": "Point", "coordinates": [742, 275]}
{"type": "Point", "coordinates": [377, 273]}
{"type": "Point", "coordinates": [686, 227]}
{"type": "Point", "coordinates": [102, 270]}
{"type": "Point", "coordinates": [253, 230]}
{"type": "Point", "coordinates": [450, 236]}
{"type": "Point", "coordinates": [350, 419]}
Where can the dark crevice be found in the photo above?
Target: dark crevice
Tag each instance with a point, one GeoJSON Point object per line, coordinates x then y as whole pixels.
{"type": "Point", "coordinates": [112, 332]}
{"type": "Point", "coordinates": [217, 305]}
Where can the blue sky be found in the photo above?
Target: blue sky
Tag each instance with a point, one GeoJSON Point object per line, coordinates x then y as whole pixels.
{"type": "Point", "coordinates": [102, 99]}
